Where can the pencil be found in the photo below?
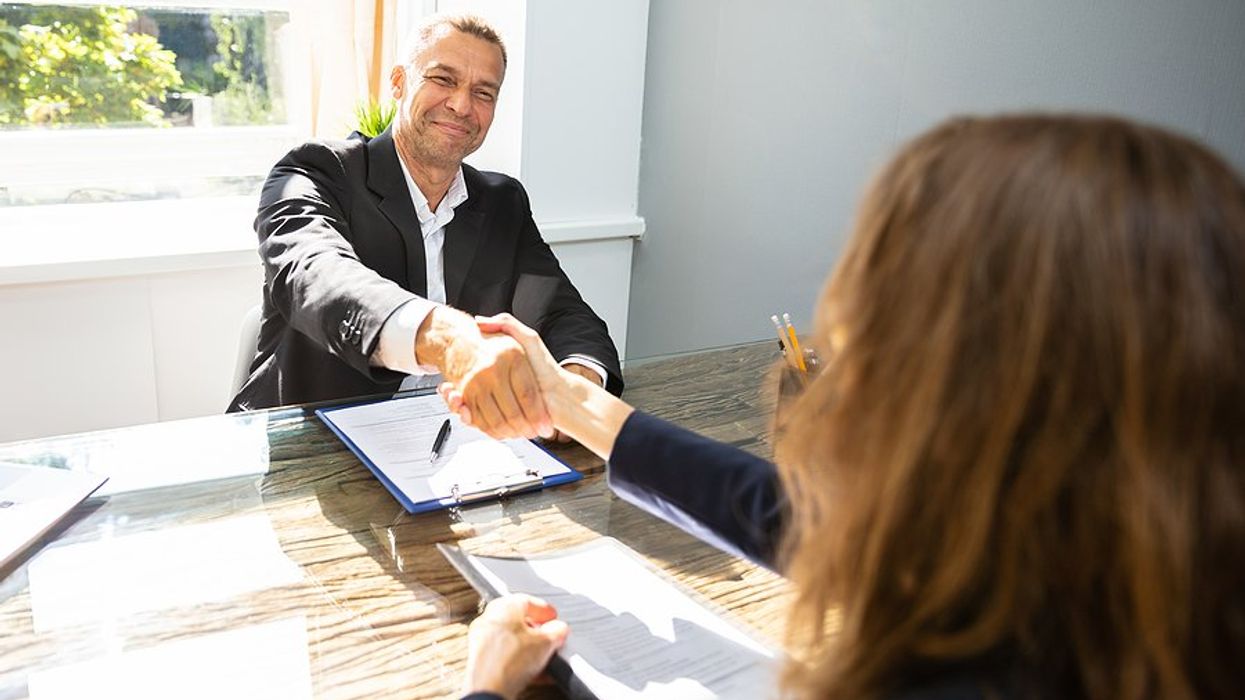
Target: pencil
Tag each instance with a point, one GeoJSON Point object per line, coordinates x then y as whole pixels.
{"type": "Point", "coordinates": [782, 345]}
{"type": "Point", "coordinates": [795, 343]}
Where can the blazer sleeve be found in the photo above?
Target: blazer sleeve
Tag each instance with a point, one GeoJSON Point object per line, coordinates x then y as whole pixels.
{"type": "Point", "coordinates": [546, 300]}
{"type": "Point", "coordinates": [718, 493]}
{"type": "Point", "coordinates": [314, 277]}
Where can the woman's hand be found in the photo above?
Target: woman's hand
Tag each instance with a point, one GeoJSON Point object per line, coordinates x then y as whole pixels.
{"type": "Point", "coordinates": [510, 644]}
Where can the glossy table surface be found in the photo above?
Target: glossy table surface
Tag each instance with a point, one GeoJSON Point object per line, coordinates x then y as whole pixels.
{"type": "Point", "coordinates": [252, 555]}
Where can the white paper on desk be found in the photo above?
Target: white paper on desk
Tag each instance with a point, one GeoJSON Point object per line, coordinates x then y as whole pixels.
{"type": "Point", "coordinates": [115, 577]}
{"type": "Point", "coordinates": [259, 661]}
{"type": "Point", "coordinates": [33, 499]}
{"type": "Point", "coordinates": [634, 634]}
{"type": "Point", "coordinates": [397, 438]}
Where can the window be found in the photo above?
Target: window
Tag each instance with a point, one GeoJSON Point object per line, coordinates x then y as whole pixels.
{"type": "Point", "coordinates": [141, 102]}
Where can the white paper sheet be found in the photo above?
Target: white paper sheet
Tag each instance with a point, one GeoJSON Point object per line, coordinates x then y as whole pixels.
{"type": "Point", "coordinates": [260, 661]}
{"type": "Point", "coordinates": [115, 577]}
{"type": "Point", "coordinates": [142, 457]}
{"type": "Point", "coordinates": [633, 634]}
{"type": "Point", "coordinates": [397, 437]}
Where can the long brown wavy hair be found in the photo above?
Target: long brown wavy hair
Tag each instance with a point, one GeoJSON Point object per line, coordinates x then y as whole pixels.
{"type": "Point", "coordinates": [1024, 461]}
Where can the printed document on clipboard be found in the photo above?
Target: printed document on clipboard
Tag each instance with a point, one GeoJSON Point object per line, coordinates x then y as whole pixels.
{"type": "Point", "coordinates": [395, 437]}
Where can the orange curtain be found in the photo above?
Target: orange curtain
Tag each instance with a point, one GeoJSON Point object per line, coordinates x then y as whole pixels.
{"type": "Point", "coordinates": [349, 46]}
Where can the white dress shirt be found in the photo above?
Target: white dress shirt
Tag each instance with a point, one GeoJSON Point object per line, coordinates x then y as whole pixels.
{"type": "Point", "coordinates": [396, 348]}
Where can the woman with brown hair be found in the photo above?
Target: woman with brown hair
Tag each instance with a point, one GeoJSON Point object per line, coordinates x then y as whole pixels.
{"type": "Point", "coordinates": [1021, 472]}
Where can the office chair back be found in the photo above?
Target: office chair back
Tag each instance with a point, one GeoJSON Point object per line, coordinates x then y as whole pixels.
{"type": "Point", "coordinates": [248, 344]}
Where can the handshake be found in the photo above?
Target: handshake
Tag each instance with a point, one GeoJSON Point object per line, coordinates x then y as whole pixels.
{"type": "Point", "coordinates": [499, 376]}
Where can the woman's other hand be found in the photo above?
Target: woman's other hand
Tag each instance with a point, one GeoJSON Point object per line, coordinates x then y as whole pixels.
{"type": "Point", "coordinates": [510, 643]}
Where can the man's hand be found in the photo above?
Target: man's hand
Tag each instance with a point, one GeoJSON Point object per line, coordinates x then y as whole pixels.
{"type": "Point", "coordinates": [490, 371]}
{"type": "Point", "coordinates": [510, 644]}
{"type": "Point", "coordinates": [586, 373]}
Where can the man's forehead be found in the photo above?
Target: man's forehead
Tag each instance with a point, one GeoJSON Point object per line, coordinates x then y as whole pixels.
{"type": "Point", "coordinates": [446, 44]}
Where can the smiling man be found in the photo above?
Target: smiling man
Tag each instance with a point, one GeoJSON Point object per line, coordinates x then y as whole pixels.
{"type": "Point", "coordinates": [377, 250]}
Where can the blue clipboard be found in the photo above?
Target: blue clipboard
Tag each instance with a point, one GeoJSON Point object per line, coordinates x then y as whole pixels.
{"type": "Point", "coordinates": [517, 483]}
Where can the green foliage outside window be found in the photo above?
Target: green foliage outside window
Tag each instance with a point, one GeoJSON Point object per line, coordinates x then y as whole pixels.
{"type": "Point", "coordinates": [245, 58]}
{"type": "Point", "coordinates": [81, 65]}
{"type": "Point", "coordinates": [74, 65]}
{"type": "Point", "coordinates": [10, 52]}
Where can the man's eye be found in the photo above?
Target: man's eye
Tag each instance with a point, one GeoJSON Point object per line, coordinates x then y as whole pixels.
{"type": "Point", "coordinates": [485, 95]}
{"type": "Point", "coordinates": [441, 80]}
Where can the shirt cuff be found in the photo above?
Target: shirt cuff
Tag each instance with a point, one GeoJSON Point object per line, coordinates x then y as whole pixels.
{"type": "Point", "coordinates": [396, 349]}
{"type": "Point", "coordinates": [585, 361]}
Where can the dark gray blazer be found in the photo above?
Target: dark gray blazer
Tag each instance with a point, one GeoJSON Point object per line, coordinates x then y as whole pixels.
{"type": "Point", "coordinates": [342, 247]}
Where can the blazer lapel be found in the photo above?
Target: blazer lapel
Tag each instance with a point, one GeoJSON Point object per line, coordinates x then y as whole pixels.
{"type": "Point", "coordinates": [384, 177]}
{"type": "Point", "coordinates": [462, 238]}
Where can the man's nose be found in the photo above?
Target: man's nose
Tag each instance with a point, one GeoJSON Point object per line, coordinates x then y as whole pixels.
{"type": "Point", "coordinates": [459, 101]}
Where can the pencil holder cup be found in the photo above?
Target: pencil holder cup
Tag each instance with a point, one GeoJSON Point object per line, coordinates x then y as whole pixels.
{"type": "Point", "coordinates": [790, 383]}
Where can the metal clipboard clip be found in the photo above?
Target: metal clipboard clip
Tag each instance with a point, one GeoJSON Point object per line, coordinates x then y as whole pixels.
{"type": "Point", "coordinates": [521, 482]}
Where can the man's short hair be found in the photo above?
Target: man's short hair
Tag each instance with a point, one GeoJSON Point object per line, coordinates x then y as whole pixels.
{"type": "Point", "coordinates": [422, 36]}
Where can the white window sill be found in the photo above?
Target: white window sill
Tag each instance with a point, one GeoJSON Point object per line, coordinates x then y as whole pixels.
{"type": "Point", "coordinates": [60, 242]}
{"type": "Point", "coordinates": [67, 242]}
{"type": "Point", "coordinates": [104, 157]}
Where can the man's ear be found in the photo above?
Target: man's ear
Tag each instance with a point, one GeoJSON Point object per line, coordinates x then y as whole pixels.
{"type": "Point", "coordinates": [397, 81]}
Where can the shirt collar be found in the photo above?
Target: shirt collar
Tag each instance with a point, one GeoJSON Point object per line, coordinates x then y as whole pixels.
{"type": "Point", "coordinates": [455, 195]}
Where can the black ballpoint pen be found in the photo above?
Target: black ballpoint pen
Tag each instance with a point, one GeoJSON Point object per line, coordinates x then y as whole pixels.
{"type": "Point", "coordinates": [439, 442]}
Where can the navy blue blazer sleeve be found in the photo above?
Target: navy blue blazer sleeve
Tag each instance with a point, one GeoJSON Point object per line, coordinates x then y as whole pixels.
{"type": "Point", "coordinates": [718, 493]}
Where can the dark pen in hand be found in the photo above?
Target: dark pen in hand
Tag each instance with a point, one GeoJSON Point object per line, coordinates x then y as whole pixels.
{"type": "Point", "coordinates": [439, 442]}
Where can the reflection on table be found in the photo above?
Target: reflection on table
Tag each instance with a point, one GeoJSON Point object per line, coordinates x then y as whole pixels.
{"type": "Point", "coordinates": [252, 555]}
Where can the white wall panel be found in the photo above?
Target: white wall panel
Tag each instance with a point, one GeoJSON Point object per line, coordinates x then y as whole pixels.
{"type": "Point", "coordinates": [76, 356]}
{"type": "Point", "coordinates": [601, 271]}
{"type": "Point", "coordinates": [195, 323]}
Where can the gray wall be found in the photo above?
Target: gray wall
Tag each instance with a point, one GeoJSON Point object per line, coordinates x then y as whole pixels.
{"type": "Point", "coordinates": [764, 121]}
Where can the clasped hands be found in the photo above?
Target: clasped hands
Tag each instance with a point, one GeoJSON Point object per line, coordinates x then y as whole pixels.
{"type": "Point", "coordinates": [493, 369]}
